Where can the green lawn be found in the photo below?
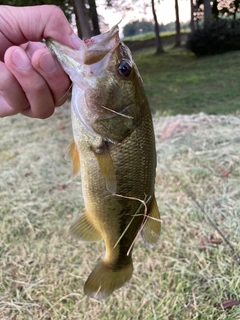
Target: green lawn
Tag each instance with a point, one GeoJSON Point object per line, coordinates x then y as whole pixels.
{"type": "Point", "coordinates": [178, 82]}
{"type": "Point", "coordinates": [191, 272]}
{"type": "Point", "coordinates": [194, 270]}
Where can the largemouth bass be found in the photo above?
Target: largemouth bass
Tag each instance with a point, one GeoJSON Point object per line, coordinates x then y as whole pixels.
{"type": "Point", "coordinates": [114, 149]}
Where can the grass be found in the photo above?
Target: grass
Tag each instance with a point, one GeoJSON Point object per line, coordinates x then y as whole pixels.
{"type": "Point", "coordinates": [193, 270]}
{"type": "Point", "coordinates": [178, 82]}
{"type": "Point", "coordinates": [151, 35]}
{"type": "Point", "coordinates": [147, 36]}
{"type": "Point", "coordinates": [189, 274]}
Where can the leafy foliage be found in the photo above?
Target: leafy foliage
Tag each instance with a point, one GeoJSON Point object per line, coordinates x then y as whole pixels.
{"type": "Point", "coordinates": [137, 27]}
{"type": "Point", "coordinates": [132, 29]}
{"type": "Point", "coordinates": [218, 37]}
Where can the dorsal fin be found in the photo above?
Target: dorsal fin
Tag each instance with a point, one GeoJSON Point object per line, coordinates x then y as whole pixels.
{"type": "Point", "coordinates": [152, 227]}
{"type": "Point", "coordinates": [73, 155]}
{"type": "Point", "coordinates": [83, 230]}
{"type": "Point", "coordinates": [107, 167]}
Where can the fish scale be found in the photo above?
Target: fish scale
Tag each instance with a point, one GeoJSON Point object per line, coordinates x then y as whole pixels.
{"type": "Point", "coordinates": [114, 150]}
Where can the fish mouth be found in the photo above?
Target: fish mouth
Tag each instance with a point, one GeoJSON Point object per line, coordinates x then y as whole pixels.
{"type": "Point", "coordinates": [65, 55]}
{"type": "Point", "coordinates": [98, 46]}
{"type": "Point", "coordinates": [91, 50]}
{"type": "Point", "coordinates": [86, 68]}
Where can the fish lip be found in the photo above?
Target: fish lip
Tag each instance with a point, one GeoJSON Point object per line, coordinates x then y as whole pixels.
{"type": "Point", "coordinates": [91, 50]}
{"type": "Point", "coordinates": [66, 56]}
{"type": "Point", "coordinates": [83, 66]}
{"type": "Point", "coordinates": [103, 38]}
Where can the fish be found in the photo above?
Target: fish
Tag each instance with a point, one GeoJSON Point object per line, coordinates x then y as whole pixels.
{"type": "Point", "coordinates": [113, 149]}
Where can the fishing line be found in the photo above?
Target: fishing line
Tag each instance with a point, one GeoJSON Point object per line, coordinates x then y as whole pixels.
{"type": "Point", "coordinates": [143, 204]}
{"type": "Point", "coordinates": [68, 90]}
{"type": "Point", "coordinates": [118, 113]}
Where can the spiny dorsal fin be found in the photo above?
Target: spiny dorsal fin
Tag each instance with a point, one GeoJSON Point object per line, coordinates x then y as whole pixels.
{"type": "Point", "coordinates": [73, 155]}
{"type": "Point", "coordinates": [106, 164]}
{"type": "Point", "coordinates": [104, 280]}
{"type": "Point", "coordinates": [83, 230]}
{"type": "Point", "coordinates": [152, 227]}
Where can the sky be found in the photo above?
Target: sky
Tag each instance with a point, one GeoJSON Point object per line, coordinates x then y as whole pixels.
{"type": "Point", "coordinates": [165, 13]}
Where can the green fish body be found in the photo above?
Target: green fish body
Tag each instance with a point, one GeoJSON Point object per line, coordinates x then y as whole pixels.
{"type": "Point", "coordinates": [114, 150]}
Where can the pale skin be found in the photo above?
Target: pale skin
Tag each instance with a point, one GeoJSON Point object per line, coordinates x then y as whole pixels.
{"type": "Point", "coordinates": [31, 80]}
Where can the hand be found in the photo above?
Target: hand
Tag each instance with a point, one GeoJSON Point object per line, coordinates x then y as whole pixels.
{"type": "Point", "coordinates": [32, 82]}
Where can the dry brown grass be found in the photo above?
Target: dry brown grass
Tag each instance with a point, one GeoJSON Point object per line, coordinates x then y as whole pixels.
{"type": "Point", "coordinates": [190, 272]}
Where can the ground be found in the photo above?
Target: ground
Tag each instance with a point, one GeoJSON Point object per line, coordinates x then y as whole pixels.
{"type": "Point", "coordinates": [194, 268]}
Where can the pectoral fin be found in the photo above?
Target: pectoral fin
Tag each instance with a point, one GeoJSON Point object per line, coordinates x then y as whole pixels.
{"type": "Point", "coordinates": [83, 230]}
{"type": "Point", "coordinates": [73, 155]}
{"type": "Point", "coordinates": [152, 227]}
{"type": "Point", "coordinates": [106, 164]}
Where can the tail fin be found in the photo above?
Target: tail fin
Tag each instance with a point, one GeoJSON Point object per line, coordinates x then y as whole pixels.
{"type": "Point", "coordinates": [104, 280]}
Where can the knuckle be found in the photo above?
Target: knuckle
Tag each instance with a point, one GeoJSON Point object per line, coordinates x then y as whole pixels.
{"type": "Point", "coordinates": [38, 87]}
{"type": "Point", "coordinates": [6, 79]}
{"type": "Point", "coordinates": [55, 12]}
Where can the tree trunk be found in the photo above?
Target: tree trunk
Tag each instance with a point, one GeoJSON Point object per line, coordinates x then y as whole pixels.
{"type": "Point", "coordinates": [77, 20]}
{"type": "Point", "coordinates": [236, 4]}
{"type": "Point", "coordinates": [156, 28]}
{"type": "Point", "coordinates": [178, 27]}
{"type": "Point", "coordinates": [82, 18]}
{"type": "Point", "coordinates": [192, 24]}
{"type": "Point", "coordinates": [94, 16]}
{"type": "Point", "coordinates": [197, 24]}
{"type": "Point", "coordinates": [207, 12]}
{"type": "Point", "coordinates": [215, 11]}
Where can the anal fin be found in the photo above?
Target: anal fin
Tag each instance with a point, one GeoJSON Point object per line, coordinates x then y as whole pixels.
{"type": "Point", "coordinates": [83, 230]}
{"type": "Point", "coordinates": [73, 155]}
{"type": "Point", "coordinates": [152, 227]}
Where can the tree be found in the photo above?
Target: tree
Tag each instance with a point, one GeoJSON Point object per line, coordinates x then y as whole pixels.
{"type": "Point", "coordinates": [129, 30]}
{"type": "Point", "coordinates": [84, 16]}
{"type": "Point", "coordinates": [207, 12]}
{"type": "Point", "coordinates": [156, 28]}
{"type": "Point", "coordinates": [137, 27]}
{"type": "Point", "coordinates": [236, 5]}
{"type": "Point", "coordinates": [94, 16]}
{"type": "Point", "coordinates": [192, 24]}
{"type": "Point", "coordinates": [215, 11]}
{"type": "Point", "coordinates": [178, 27]}
{"type": "Point", "coordinates": [82, 20]}
{"type": "Point", "coordinates": [127, 5]}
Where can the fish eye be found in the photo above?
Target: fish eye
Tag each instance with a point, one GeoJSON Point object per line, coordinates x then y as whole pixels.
{"type": "Point", "coordinates": [124, 68]}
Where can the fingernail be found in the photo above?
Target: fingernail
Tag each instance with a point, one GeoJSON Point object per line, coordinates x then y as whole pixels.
{"type": "Point", "coordinates": [76, 41]}
{"type": "Point", "coordinates": [47, 63]}
{"type": "Point", "coordinates": [20, 60]}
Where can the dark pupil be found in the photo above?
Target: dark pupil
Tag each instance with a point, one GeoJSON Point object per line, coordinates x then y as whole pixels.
{"type": "Point", "coordinates": [124, 69]}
